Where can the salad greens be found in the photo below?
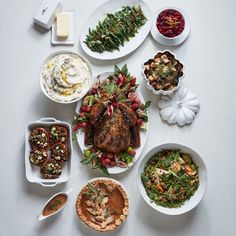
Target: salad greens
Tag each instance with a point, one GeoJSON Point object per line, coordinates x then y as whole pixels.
{"type": "Point", "coordinates": [170, 178]}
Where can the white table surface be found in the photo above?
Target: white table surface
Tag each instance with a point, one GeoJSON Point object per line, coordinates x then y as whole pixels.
{"type": "Point", "coordinates": [209, 59]}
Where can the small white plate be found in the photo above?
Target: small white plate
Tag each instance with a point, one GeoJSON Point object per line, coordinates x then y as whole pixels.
{"type": "Point", "coordinates": [71, 38]}
{"type": "Point", "coordinates": [33, 172]}
{"type": "Point", "coordinates": [170, 41]}
{"type": "Point", "coordinates": [143, 134]}
{"type": "Point", "coordinates": [198, 195]}
{"type": "Point", "coordinates": [110, 7]}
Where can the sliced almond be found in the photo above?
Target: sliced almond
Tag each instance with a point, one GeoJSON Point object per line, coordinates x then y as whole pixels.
{"type": "Point", "coordinates": [125, 211]}
{"type": "Point", "coordinates": [118, 222]}
{"type": "Point", "coordinates": [90, 203]}
{"type": "Point", "coordinates": [100, 218]}
{"type": "Point", "coordinates": [109, 188]}
{"type": "Point", "coordinates": [103, 225]}
{"type": "Point", "coordinates": [92, 211]}
{"type": "Point", "coordinates": [122, 217]}
{"type": "Point", "coordinates": [109, 220]}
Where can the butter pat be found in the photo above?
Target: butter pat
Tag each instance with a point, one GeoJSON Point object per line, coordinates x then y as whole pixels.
{"type": "Point", "coordinates": [70, 40]}
{"type": "Point", "coordinates": [47, 12]}
{"type": "Point", "coordinates": [63, 25]}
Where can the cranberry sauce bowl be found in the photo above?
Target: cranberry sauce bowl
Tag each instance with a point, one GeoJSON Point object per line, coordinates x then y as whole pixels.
{"type": "Point", "coordinates": [170, 26]}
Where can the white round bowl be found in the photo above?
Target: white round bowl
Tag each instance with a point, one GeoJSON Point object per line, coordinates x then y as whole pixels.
{"type": "Point", "coordinates": [198, 195]}
{"type": "Point", "coordinates": [84, 90]}
{"type": "Point", "coordinates": [160, 38]}
{"type": "Point", "coordinates": [162, 92]}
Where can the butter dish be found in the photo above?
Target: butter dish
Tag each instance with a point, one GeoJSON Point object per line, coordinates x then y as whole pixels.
{"type": "Point", "coordinates": [47, 12]}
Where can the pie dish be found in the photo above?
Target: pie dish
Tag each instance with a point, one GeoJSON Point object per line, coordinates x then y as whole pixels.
{"type": "Point", "coordinates": [103, 204]}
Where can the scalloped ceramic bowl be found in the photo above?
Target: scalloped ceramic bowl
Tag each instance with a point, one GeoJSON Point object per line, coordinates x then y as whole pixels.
{"type": "Point", "coordinates": [198, 195]}
{"type": "Point", "coordinates": [161, 91]}
{"type": "Point", "coordinates": [167, 41]}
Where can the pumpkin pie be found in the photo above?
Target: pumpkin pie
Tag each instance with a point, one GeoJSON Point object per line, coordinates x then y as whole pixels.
{"type": "Point", "coordinates": [103, 204]}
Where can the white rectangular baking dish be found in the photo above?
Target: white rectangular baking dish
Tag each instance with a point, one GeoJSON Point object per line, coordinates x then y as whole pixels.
{"type": "Point", "coordinates": [33, 172]}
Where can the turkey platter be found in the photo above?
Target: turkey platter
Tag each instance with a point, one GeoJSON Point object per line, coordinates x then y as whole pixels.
{"type": "Point", "coordinates": [111, 121]}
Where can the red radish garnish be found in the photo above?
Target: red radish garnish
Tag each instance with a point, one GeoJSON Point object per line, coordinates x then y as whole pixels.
{"type": "Point", "coordinates": [135, 106]}
{"type": "Point", "coordinates": [139, 122]}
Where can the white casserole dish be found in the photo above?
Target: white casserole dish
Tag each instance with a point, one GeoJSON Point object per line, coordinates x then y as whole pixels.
{"type": "Point", "coordinates": [33, 172]}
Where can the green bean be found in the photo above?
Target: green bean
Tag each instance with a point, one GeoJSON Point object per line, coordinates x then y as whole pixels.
{"type": "Point", "coordinates": [115, 29]}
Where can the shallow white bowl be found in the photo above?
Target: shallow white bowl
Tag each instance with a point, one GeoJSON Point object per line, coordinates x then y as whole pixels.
{"type": "Point", "coordinates": [198, 195]}
{"type": "Point", "coordinates": [166, 40]}
{"type": "Point", "coordinates": [162, 92]}
{"type": "Point", "coordinates": [84, 90]}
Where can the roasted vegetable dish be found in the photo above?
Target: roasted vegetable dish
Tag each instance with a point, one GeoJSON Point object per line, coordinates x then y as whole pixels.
{"type": "Point", "coordinates": [49, 149]}
{"type": "Point", "coordinates": [111, 116]}
{"type": "Point", "coordinates": [115, 29]}
{"type": "Point", "coordinates": [51, 169]}
{"type": "Point", "coordinates": [163, 71]}
{"type": "Point", "coordinates": [170, 178]}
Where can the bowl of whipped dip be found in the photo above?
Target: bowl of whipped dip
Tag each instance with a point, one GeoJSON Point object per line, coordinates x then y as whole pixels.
{"type": "Point", "coordinates": [65, 77]}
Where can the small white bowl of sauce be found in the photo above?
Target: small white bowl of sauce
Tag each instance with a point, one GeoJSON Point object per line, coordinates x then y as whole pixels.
{"type": "Point", "coordinates": [54, 205]}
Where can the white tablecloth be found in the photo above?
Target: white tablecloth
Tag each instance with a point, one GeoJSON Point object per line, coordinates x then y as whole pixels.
{"type": "Point", "coordinates": [209, 59]}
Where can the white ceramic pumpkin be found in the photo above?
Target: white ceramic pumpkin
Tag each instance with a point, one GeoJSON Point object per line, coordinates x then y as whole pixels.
{"type": "Point", "coordinates": [180, 107]}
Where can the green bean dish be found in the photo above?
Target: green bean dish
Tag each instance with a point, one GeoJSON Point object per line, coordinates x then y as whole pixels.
{"type": "Point", "coordinates": [116, 28]}
{"type": "Point", "coordinates": [170, 178]}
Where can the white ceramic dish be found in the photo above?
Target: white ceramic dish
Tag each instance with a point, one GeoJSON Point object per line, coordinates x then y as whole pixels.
{"type": "Point", "coordinates": [66, 194]}
{"type": "Point", "coordinates": [130, 46]}
{"type": "Point", "coordinates": [119, 183]}
{"type": "Point", "coordinates": [71, 38]}
{"type": "Point", "coordinates": [170, 41]}
{"type": "Point", "coordinates": [84, 90]}
{"type": "Point", "coordinates": [33, 172]}
{"type": "Point", "coordinates": [163, 92]}
{"type": "Point", "coordinates": [143, 134]}
{"type": "Point", "coordinates": [198, 195]}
